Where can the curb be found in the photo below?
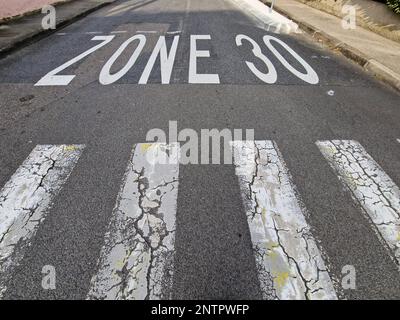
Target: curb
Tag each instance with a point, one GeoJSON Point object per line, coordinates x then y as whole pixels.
{"type": "Point", "coordinates": [40, 34]}
{"type": "Point", "coordinates": [370, 65]}
{"type": "Point", "coordinates": [268, 19]}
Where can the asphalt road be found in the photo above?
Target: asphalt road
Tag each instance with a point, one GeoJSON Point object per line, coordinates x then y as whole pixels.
{"type": "Point", "coordinates": [214, 258]}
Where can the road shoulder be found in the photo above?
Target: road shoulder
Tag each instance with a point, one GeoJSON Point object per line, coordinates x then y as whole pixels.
{"type": "Point", "coordinates": [24, 30]}
{"type": "Point", "coordinates": [376, 54]}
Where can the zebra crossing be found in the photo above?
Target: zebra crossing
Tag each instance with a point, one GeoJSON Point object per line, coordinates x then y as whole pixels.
{"type": "Point", "coordinates": [137, 257]}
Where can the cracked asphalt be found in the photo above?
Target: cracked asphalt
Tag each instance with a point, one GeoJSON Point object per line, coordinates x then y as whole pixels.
{"type": "Point", "coordinates": [213, 253]}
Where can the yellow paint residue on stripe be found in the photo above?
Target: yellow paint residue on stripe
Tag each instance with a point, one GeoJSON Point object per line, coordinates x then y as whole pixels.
{"type": "Point", "coordinates": [120, 264]}
{"type": "Point", "coordinates": [145, 146]}
{"type": "Point", "coordinates": [281, 278]}
{"type": "Point", "coordinates": [352, 182]}
{"type": "Point", "coordinates": [271, 246]}
{"type": "Point", "coordinates": [263, 213]}
{"type": "Point", "coordinates": [70, 148]}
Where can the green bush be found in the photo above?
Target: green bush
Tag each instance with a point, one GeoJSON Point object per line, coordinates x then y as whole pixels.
{"type": "Point", "coordinates": [394, 5]}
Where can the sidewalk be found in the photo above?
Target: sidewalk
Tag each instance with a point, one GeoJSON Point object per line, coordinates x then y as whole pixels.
{"type": "Point", "coordinates": [10, 9]}
{"type": "Point", "coordinates": [375, 53]}
{"type": "Point", "coordinates": [371, 15]}
{"type": "Point", "coordinates": [22, 30]}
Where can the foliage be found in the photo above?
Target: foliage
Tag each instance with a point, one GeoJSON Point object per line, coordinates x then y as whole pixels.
{"type": "Point", "coordinates": [394, 5]}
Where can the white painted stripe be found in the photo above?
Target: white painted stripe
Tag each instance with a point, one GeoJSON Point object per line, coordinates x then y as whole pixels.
{"type": "Point", "coordinates": [136, 261]}
{"type": "Point", "coordinates": [94, 32]}
{"type": "Point", "coordinates": [398, 140]}
{"type": "Point", "coordinates": [119, 31]}
{"type": "Point", "coordinates": [288, 260]}
{"type": "Point", "coordinates": [369, 185]}
{"type": "Point", "coordinates": [146, 31]}
{"type": "Point", "coordinates": [26, 197]}
{"type": "Point", "coordinates": [173, 32]}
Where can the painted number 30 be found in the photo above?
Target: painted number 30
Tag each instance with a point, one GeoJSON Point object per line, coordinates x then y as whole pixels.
{"type": "Point", "coordinates": [167, 59]}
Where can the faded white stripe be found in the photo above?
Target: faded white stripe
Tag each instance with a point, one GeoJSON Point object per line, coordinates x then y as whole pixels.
{"type": "Point", "coordinates": [146, 31]}
{"type": "Point", "coordinates": [26, 197]}
{"type": "Point", "coordinates": [288, 260]}
{"type": "Point", "coordinates": [369, 185]}
{"type": "Point", "coordinates": [136, 261]}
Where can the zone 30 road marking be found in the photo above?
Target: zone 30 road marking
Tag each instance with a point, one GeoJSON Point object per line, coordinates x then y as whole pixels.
{"type": "Point", "coordinates": [167, 59]}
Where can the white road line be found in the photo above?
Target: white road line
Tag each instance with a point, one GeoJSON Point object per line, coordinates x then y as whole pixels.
{"type": "Point", "coordinates": [146, 31]}
{"type": "Point", "coordinates": [398, 140]}
{"type": "Point", "coordinates": [136, 261]}
{"type": "Point", "coordinates": [173, 32]}
{"type": "Point", "coordinates": [26, 197]}
{"type": "Point", "coordinates": [369, 185]}
{"type": "Point", "coordinates": [118, 31]}
{"type": "Point", "coordinates": [94, 32]}
{"type": "Point", "coordinates": [288, 260]}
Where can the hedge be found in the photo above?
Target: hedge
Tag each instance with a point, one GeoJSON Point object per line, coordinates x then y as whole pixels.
{"type": "Point", "coordinates": [394, 5]}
